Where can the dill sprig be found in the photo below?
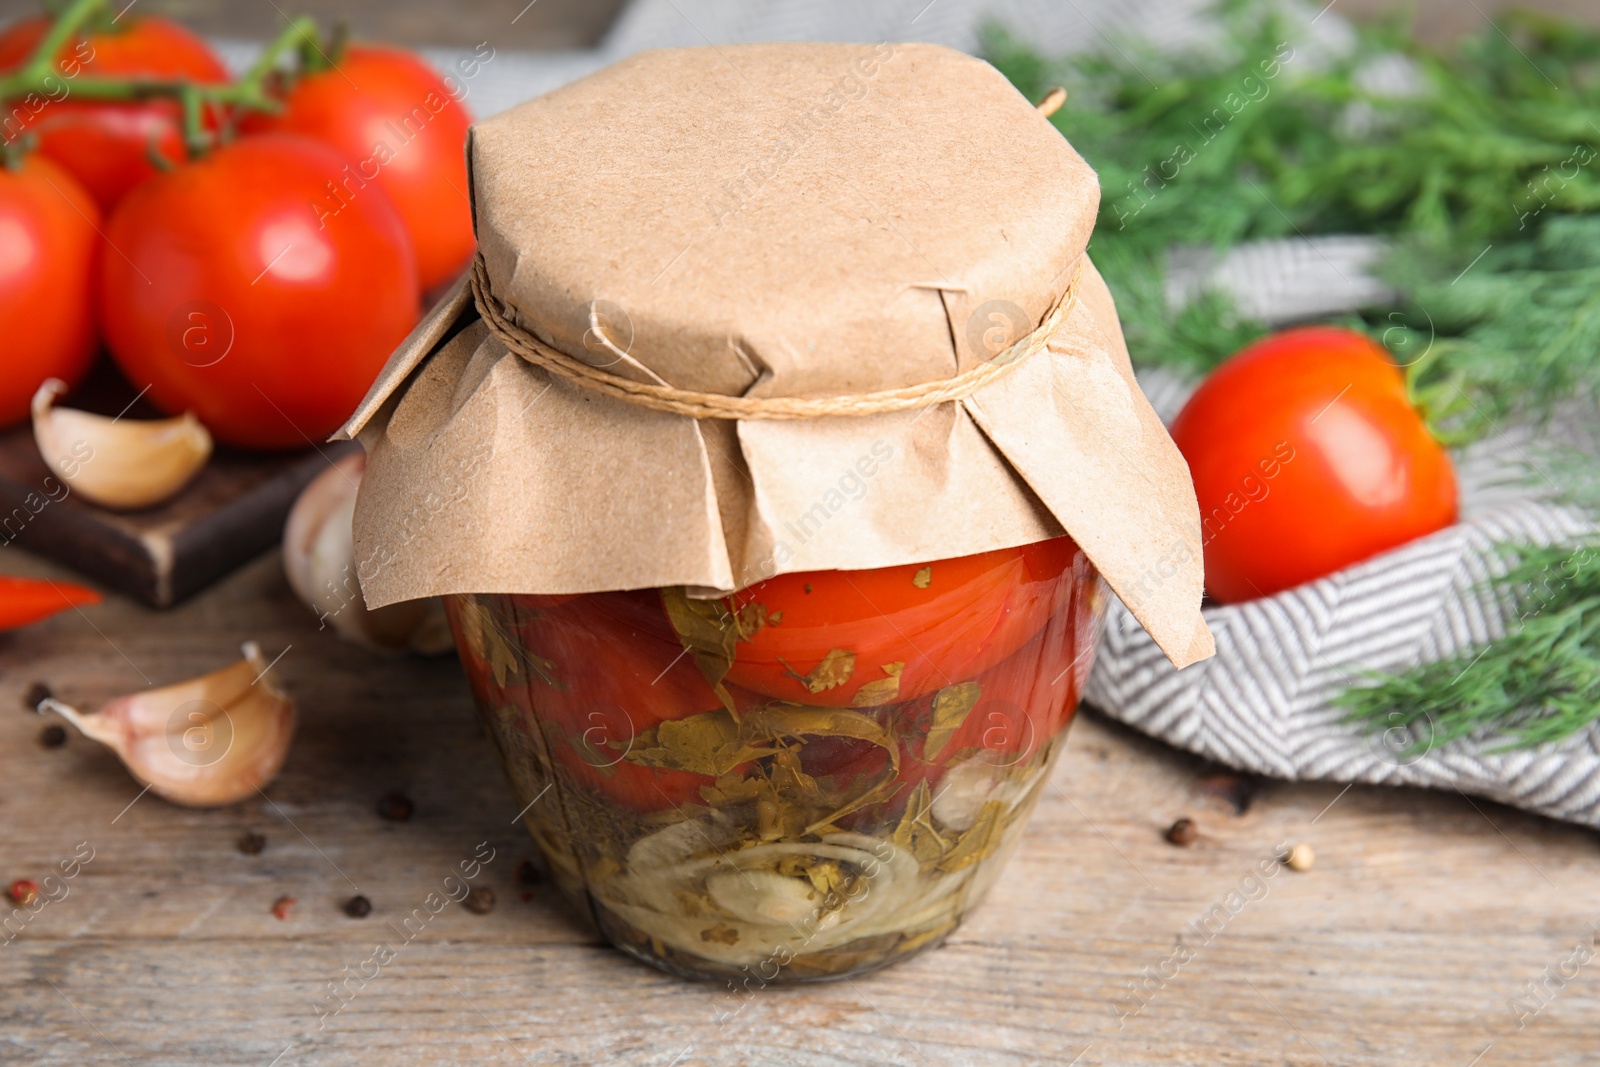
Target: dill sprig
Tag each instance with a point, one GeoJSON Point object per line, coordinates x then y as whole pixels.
{"type": "Point", "coordinates": [1507, 335]}
{"type": "Point", "coordinates": [1538, 684]}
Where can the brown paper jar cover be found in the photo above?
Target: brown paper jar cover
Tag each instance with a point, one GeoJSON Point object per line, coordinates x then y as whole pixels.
{"type": "Point", "coordinates": [773, 220]}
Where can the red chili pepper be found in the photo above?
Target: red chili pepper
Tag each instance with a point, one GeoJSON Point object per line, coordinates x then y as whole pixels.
{"type": "Point", "coordinates": [27, 600]}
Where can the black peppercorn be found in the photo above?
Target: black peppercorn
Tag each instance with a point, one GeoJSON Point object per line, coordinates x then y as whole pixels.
{"type": "Point", "coordinates": [396, 807]}
{"type": "Point", "coordinates": [358, 907]}
{"type": "Point", "coordinates": [479, 901]}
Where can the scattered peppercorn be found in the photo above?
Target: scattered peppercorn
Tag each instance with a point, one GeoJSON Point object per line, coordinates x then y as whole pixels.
{"type": "Point", "coordinates": [281, 906]}
{"type": "Point", "coordinates": [358, 907]}
{"type": "Point", "coordinates": [528, 873]}
{"type": "Point", "coordinates": [53, 736]}
{"type": "Point", "coordinates": [479, 900]}
{"type": "Point", "coordinates": [1299, 857]}
{"type": "Point", "coordinates": [37, 694]}
{"type": "Point", "coordinates": [1183, 832]}
{"type": "Point", "coordinates": [251, 843]}
{"type": "Point", "coordinates": [396, 807]}
{"type": "Point", "coordinates": [24, 891]}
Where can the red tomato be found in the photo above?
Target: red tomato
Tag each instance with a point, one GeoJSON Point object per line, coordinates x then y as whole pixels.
{"type": "Point", "coordinates": [229, 299]}
{"type": "Point", "coordinates": [48, 250]}
{"type": "Point", "coordinates": [107, 145]}
{"type": "Point", "coordinates": [1307, 457]}
{"type": "Point", "coordinates": [943, 622]}
{"type": "Point", "coordinates": [613, 669]}
{"type": "Point", "coordinates": [396, 125]}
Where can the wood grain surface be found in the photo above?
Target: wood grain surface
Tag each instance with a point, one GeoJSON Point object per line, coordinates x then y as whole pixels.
{"type": "Point", "coordinates": [1424, 914]}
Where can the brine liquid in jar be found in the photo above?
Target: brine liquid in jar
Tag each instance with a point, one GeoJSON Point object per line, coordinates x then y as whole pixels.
{"type": "Point", "coordinates": [814, 777]}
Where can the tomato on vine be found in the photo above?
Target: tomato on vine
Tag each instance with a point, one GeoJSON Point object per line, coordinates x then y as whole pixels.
{"type": "Point", "coordinates": [107, 144]}
{"type": "Point", "coordinates": [397, 126]}
{"type": "Point", "coordinates": [229, 298]}
{"type": "Point", "coordinates": [48, 252]}
{"type": "Point", "coordinates": [1308, 457]}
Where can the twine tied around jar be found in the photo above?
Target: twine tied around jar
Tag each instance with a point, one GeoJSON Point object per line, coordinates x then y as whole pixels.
{"type": "Point", "coordinates": [698, 405]}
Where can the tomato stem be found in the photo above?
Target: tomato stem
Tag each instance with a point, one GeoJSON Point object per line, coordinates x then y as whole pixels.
{"type": "Point", "coordinates": [197, 99]}
{"type": "Point", "coordinates": [1444, 405]}
{"type": "Point", "coordinates": [318, 54]}
{"type": "Point", "coordinates": [195, 137]}
{"type": "Point", "coordinates": [41, 64]}
{"type": "Point", "coordinates": [152, 152]}
{"type": "Point", "coordinates": [302, 28]}
{"type": "Point", "coordinates": [338, 41]}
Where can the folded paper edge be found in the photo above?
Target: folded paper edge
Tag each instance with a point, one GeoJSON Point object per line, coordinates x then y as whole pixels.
{"type": "Point", "coordinates": [417, 347]}
{"type": "Point", "coordinates": [1184, 640]}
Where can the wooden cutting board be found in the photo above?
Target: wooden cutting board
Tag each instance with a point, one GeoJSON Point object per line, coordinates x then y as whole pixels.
{"type": "Point", "coordinates": [232, 511]}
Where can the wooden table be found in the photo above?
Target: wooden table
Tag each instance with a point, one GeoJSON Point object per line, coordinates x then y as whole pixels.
{"type": "Point", "coordinates": [1422, 915]}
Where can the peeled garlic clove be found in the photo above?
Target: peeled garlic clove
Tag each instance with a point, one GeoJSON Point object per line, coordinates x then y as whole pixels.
{"type": "Point", "coordinates": [966, 788]}
{"type": "Point", "coordinates": [118, 463]}
{"type": "Point", "coordinates": [210, 741]}
{"type": "Point", "coordinates": [319, 561]}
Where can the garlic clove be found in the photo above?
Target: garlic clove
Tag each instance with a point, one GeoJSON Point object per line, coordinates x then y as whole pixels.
{"type": "Point", "coordinates": [319, 561]}
{"type": "Point", "coordinates": [206, 742]}
{"type": "Point", "coordinates": [966, 788]}
{"type": "Point", "coordinates": [117, 463]}
{"type": "Point", "coordinates": [306, 553]}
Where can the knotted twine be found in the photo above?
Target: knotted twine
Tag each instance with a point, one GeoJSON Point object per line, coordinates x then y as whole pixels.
{"type": "Point", "coordinates": [697, 405]}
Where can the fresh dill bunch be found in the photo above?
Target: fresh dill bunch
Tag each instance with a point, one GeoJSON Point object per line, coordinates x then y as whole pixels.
{"type": "Point", "coordinates": [1250, 140]}
{"type": "Point", "coordinates": [1178, 139]}
{"type": "Point", "coordinates": [1538, 684]}
{"type": "Point", "coordinates": [1258, 140]}
{"type": "Point", "coordinates": [1498, 131]}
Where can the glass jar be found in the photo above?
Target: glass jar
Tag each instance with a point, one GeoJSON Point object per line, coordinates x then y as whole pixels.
{"type": "Point", "coordinates": [812, 778]}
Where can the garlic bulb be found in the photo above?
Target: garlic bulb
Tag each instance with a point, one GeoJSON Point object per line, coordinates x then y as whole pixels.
{"type": "Point", "coordinates": [319, 561]}
{"type": "Point", "coordinates": [210, 741]}
{"type": "Point", "coordinates": [118, 463]}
